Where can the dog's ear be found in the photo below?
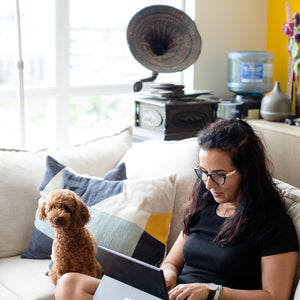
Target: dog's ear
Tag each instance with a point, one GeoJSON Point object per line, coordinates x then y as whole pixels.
{"type": "Point", "coordinates": [42, 211]}
{"type": "Point", "coordinates": [81, 214]}
{"type": "Point", "coordinates": [84, 213]}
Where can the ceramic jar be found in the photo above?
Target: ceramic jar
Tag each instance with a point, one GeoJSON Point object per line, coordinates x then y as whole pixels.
{"type": "Point", "coordinates": [276, 105]}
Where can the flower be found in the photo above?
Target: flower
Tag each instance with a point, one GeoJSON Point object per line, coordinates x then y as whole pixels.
{"type": "Point", "coordinates": [292, 30]}
{"type": "Point", "coordinates": [288, 29]}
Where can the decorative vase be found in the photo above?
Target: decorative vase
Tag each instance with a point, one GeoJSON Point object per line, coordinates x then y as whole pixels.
{"type": "Point", "coordinates": [276, 105]}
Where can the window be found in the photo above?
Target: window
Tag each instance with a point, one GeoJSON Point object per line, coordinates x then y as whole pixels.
{"type": "Point", "coordinates": [78, 70]}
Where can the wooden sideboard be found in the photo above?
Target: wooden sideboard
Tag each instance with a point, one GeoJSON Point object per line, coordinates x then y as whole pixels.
{"type": "Point", "coordinates": [282, 142]}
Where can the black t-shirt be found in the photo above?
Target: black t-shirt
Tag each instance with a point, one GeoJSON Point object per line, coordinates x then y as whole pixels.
{"type": "Point", "coordinates": [237, 264]}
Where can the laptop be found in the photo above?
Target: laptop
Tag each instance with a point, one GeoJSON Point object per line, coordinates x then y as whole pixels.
{"type": "Point", "coordinates": [126, 278]}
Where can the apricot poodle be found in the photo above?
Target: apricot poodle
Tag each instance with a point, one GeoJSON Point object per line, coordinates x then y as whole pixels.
{"type": "Point", "coordinates": [74, 246]}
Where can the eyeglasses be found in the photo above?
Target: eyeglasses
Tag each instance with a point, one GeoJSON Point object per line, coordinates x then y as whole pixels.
{"type": "Point", "coordinates": [217, 178]}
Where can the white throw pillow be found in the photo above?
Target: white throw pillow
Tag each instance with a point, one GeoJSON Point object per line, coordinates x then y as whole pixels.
{"type": "Point", "coordinates": [20, 176]}
{"type": "Point", "coordinates": [160, 158]}
{"type": "Point", "coordinates": [21, 173]}
{"type": "Point", "coordinates": [97, 157]}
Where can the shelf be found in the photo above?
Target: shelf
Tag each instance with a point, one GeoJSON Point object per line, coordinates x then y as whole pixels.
{"type": "Point", "coordinates": [282, 142]}
{"type": "Point", "coordinates": [276, 126]}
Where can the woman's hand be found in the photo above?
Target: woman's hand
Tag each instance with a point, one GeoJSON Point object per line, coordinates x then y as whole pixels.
{"type": "Point", "coordinates": [190, 291]}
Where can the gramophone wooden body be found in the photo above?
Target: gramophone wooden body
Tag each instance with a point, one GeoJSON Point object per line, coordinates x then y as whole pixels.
{"type": "Point", "coordinates": [170, 119]}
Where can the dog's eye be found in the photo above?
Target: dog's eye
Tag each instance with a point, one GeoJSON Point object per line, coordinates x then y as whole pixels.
{"type": "Point", "coordinates": [53, 207]}
{"type": "Point", "coordinates": [68, 210]}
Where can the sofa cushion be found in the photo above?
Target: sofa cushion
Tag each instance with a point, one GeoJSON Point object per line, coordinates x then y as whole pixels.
{"type": "Point", "coordinates": [25, 279]}
{"type": "Point", "coordinates": [156, 158]}
{"type": "Point", "coordinates": [41, 242]}
{"type": "Point", "coordinates": [7, 294]}
{"type": "Point", "coordinates": [21, 173]}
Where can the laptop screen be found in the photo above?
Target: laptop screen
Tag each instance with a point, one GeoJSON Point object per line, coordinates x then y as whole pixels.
{"type": "Point", "coordinates": [133, 272]}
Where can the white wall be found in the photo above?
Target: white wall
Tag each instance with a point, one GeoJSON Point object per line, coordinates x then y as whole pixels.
{"type": "Point", "coordinates": [226, 25]}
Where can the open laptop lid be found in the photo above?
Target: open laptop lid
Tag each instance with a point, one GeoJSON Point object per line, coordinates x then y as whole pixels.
{"type": "Point", "coordinates": [133, 272]}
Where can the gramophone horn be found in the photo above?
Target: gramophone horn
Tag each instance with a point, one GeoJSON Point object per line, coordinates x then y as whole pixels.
{"type": "Point", "coordinates": [163, 39]}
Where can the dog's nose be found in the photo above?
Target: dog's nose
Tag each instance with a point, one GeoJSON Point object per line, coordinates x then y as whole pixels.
{"type": "Point", "coordinates": [57, 220]}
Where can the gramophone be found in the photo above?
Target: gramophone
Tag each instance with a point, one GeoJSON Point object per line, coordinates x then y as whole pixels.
{"type": "Point", "coordinates": [164, 39]}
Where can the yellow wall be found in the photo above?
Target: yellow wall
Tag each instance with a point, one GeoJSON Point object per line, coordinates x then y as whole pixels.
{"type": "Point", "coordinates": [276, 40]}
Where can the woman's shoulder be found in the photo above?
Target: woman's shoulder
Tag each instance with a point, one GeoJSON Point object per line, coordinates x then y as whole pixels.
{"type": "Point", "coordinates": [275, 214]}
{"type": "Point", "coordinates": [274, 219]}
{"type": "Point", "coordinates": [277, 233]}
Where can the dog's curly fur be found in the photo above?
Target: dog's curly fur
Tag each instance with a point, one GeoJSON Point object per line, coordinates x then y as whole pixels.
{"type": "Point", "coordinates": [74, 245]}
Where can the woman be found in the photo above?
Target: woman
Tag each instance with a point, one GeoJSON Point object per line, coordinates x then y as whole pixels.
{"type": "Point", "coordinates": [237, 241]}
{"type": "Point", "coordinates": [236, 233]}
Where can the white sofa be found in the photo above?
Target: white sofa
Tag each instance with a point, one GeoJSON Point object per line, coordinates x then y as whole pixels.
{"type": "Point", "coordinates": [155, 162]}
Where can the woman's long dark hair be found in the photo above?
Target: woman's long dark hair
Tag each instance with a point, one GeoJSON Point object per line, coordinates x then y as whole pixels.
{"type": "Point", "coordinates": [257, 192]}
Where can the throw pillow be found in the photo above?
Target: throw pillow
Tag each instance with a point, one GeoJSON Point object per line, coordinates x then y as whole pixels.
{"type": "Point", "coordinates": [165, 157]}
{"type": "Point", "coordinates": [97, 157]}
{"type": "Point", "coordinates": [41, 242]}
{"type": "Point", "coordinates": [130, 216]}
{"type": "Point", "coordinates": [21, 173]}
{"type": "Point", "coordinates": [20, 176]}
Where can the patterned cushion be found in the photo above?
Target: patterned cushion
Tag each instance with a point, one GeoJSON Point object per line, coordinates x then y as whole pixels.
{"type": "Point", "coordinates": [129, 216]}
{"type": "Point", "coordinates": [43, 234]}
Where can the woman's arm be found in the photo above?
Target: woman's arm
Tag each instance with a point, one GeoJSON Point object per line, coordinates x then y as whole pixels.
{"type": "Point", "coordinates": [278, 273]}
{"type": "Point", "coordinates": [173, 263]}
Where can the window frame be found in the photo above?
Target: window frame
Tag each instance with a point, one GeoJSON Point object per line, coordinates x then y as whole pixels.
{"type": "Point", "coordinates": [61, 91]}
